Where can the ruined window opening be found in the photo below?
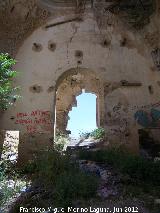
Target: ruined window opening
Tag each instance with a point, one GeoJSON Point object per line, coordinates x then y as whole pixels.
{"type": "Point", "coordinates": [83, 118]}
{"type": "Point", "coordinates": [70, 85]}
{"type": "Point", "coordinates": [10, 146]}
{"type": "Point", "coordinates": [150, 88]}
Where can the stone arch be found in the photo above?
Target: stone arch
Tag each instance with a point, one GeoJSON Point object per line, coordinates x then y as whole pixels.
{"type": "Point", "coordinates": [69, 85]}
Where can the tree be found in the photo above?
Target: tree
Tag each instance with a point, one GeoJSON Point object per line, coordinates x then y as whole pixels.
{"type": "Point", "coordinates": [7, 91]}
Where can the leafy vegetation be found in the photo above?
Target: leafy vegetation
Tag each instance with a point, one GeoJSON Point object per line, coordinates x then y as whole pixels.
{"type": "Point", "coordinates": [139, 177]}
{"type": "Point", "coordinates": [57, 179]}
{"type": "Point", "coordinates": [98, 133]}
{"type": "Point", "coordinates": [58, 173]}
{"type": "Point", "coordinates": [136, 167]}
{"type": "Point", "coordinates": [10, 181]}
{"type": "Point", "coordinates": [60, 141]}
{"type": "Point", "coordinates": [7, 90]}
{"type": "Point", "coordinates": [84, 135]}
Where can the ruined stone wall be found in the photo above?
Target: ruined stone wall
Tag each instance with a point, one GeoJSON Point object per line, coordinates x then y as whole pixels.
{"type": "Point", "coordinates": [120, 55]}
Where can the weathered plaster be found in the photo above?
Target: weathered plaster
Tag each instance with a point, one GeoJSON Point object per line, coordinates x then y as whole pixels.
{"type": "Point", "coordinates": [118, 55]}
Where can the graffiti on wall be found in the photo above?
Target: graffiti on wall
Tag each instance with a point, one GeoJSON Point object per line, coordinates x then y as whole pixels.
{"type": "Point", "coordinates": [117, 120]}
{"type": "Point", "coordinates": [35, 121]}
{"type": "Point", "coordinates": [148, 116]}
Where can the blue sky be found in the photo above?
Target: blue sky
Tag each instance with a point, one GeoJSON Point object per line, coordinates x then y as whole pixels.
{"type": "Point", "coordinates": [83, 117]}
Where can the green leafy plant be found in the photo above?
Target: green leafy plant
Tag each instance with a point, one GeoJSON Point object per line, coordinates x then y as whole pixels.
{"type": "Point", "coordinates": [74, 184]}
{"type": "Point", "coordinates": [136, 167]}
{"type": "Point", "coordinates": [84, 134]}
{"type": "Point", "coordinates": [60, 141]}
{"type": "Point", "coordinates": [11, 182]}
{"type": "Point", "coordinates": [57, 173]}
{"type": "Point", "coordinates": [7, 90]}
{"type": "Point", "coordinates": [139, 177]}
{"type": "Point", "coordinates": [98, 133]}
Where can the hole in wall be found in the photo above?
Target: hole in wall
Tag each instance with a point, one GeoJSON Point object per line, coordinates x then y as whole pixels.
{"type": "Point", "coordinates": [78, 54]}
{"type": "Point", "coordinates": [51, 46]}
{"type": "Point", "coordinates": [124, 82]}
{"type": "Point", "coordinates": [150, 88]}
{"type": "Point", "coordinates": [12, 9]}
{"type": "Point", "coordinates": [123, 42]}
{"type": "Point", "coordinates": [36, 89]}
{"type": "Point", "coordinates": [50, 89]}
{"type": "Point", "coordinates": [109, 114]}
{"type": "Point", "coordinates": [37, 47]}
{"type": "Point", "coordinates": [79, 62]}
{"type": "Point", "coordinates": [105, 43]}
{"type": "Point", "coordinates": [12, 117]}
{"type": "Point", "coordinates": [127, 134]}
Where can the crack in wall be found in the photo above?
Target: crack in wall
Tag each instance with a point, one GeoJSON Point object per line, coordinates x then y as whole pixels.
{"type": "Point", "coordinates": [70, 41]}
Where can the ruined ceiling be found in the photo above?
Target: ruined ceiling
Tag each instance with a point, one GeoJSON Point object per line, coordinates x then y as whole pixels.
{"type": "Point", "coordinates": [19, 18]}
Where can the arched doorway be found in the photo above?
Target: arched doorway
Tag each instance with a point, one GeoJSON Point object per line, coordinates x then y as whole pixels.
{"type": "Point", "coordinates": [69, 86]}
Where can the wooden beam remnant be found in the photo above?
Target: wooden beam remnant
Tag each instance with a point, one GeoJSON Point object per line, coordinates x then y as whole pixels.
{"type": "Point", "coordinates": [130, 84]}
{"type": "Point", "coordinates": [63, 22]}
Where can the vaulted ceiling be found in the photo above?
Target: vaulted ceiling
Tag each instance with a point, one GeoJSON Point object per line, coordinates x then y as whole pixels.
{"type": "Point", "coordinates": [19, 18]}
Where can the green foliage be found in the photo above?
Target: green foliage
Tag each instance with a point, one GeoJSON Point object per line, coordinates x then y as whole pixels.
{"type": "Point", "coordinates": [136, 167]}
{"type": "Point", "coordinates": [8, 191]}
{"type": "Point", "coordinates": [98, 133]}
{"type": "Point", "coordinates": [7, 169]}
{"type": "Point", "coordinates": [74, 185]}
{"type": "Point", "coordinates": [29, 168]}
{"type": "Point", "coordinates": [50, 165]}
{"type": "Point", "coordinates": [10, 182]}
{"type": "Point", "coordinates": [7, 91]}
{"type": "Point", "coordinates": [56, 172]}
{"type": "Point", "coordinates": [139, 177]}
{"type": "Point", "coordinates": [60, 141]}
{"type": "Point", "coordinates": [84, 135]}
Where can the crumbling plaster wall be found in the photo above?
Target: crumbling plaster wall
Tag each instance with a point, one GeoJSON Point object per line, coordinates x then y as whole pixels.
{"type": "Point", "coordinates": [19, 18]}
{"type": "Point", "coordinates": [119, 55]}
